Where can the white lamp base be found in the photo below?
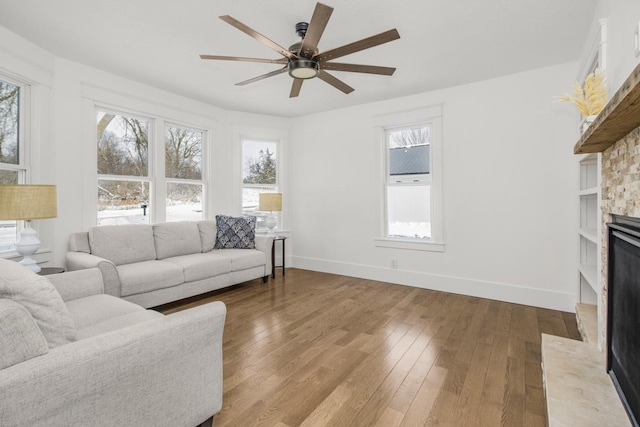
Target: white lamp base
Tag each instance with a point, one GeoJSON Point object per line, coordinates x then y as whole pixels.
{"type": "Point", "coordinates": [27, 246]}
{"type": "Point", "coordinates": [271, 224]}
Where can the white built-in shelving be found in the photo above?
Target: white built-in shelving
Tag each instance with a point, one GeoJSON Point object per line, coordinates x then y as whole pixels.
{"type": "Point", "coordinates": [589, 231]}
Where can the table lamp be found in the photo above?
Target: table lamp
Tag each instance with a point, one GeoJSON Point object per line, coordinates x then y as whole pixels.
{"type": "Point", "coordinates": [28, 202]}
{"type": "Point", "coordinates": [270, 202]}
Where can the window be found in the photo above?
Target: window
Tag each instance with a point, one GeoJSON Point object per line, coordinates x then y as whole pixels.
{"type": "Point", "coordinates": [123, 169]}
{"type": "Point", "coordinates": [259, 175]}
{"type": "Point", "coordinates": [142, 178]}
{"type": "Point", "coordinates": [412, 197]}
{"type": "Point", "coordinates": [408, 188]}
{"type": "Point", "coordinates": [183, 172]}
{"type": "Point", "coordinates": [13, 168]}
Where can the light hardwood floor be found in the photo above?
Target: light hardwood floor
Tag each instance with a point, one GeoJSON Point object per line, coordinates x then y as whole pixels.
{"type": "Point", "coordinates": [316, 349]}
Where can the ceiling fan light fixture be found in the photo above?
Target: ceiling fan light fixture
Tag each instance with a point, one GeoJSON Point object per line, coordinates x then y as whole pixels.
{"type": "Point", "coordinates": [303, 68]}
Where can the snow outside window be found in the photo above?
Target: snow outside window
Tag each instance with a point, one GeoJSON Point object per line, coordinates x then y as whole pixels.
{"type": "Point", "coordinates": [259, 175]}
{"type": "Point", "coordinates": [408, 182]}
{"type": "Point", "coordinates": [128, 150]}
{"type": "Point", "coordinates": [183, 171]}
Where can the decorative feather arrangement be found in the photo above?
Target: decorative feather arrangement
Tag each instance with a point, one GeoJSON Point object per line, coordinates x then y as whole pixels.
{"type": "Point", "coordinates": [591, 99]}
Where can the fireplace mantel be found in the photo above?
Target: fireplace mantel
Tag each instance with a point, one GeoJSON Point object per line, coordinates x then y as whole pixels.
{"type": "Point", "coordinates": [619, 117]}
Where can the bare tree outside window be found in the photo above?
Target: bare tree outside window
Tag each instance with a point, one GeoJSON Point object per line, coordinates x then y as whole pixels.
{"type": "Point", "coordinates": [183, 170]}
{"type": "Point", "coordinates": [9, 123]}
{"type": "Point", "coordinates": [10, 161]}
{"type": "Point", "coordinates": [409, 137]}
{"type": "Point", "coordinates": [259, 175]}
{"type": "Point", "coordinates": [123, 153]}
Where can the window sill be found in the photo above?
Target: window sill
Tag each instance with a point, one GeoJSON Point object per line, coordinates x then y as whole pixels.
{"type": "Point", "coordinates": [415, 245]}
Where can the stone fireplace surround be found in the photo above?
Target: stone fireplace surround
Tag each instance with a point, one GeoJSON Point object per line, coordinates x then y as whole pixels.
{"type": "Point", "coordinates": [620, 196]}
{"type": "Point", "coordinates": [578, 390]}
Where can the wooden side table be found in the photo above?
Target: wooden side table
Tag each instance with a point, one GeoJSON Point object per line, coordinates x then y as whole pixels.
{"type": "Point", "coordinates": [273, 255]}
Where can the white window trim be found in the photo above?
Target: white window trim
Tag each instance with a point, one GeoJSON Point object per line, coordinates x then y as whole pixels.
{"type": "Point", "coordinates": [273, 187]}
{"type": "Point", "coordinates": [96, 97]}
{"type": "Point", "coordinates": [156, 166]}
{"type": "Point", "coordinates": [433, 116]}
{"type": "Point", "coordinates": [241, 133]}
{"type": "Point", "coordinates": [162, 180]}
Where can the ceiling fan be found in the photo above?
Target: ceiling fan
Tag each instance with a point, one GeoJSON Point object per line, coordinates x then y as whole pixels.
{"type": "Point", "coordinates": [303, 60]}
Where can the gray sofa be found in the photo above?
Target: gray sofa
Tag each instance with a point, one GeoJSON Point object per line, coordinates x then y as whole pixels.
{"type": "Point", "coordinates": [155, 264]}
{"type": "Point", "coordinates": [72, 356]}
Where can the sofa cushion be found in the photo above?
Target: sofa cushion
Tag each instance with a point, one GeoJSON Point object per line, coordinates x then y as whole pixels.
{"type": "Point", "coordinates": [79, 242]}
{"type": "Point", "coordinates": [123, 244]}
{"type": "Point", "coordinates": [118, 322]}
{"type": "Point", "coordinates": [148, 276]}
{"type": "Point", "coordinates": [20, 337]}
{"type": "Point", "coordinates": [176, 238]}
{"type": "Point", "coordinates": [201, 266]}
{"type": "Point", "coordinates": [207, 234]}
{"type": "Point", "coordinates": [241, 259]}
{"type": "Point", "coordinates": [235, 232]}
{"type": "Point", "coordinates": [95, 309]}
{"type": "Point", "coordinates": [41, 299]}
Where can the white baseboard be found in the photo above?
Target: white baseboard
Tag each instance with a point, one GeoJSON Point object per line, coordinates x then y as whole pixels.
{"type": "Point", "coordinates": [542, 298]}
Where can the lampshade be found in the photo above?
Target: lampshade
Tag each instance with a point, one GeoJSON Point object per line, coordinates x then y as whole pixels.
{"type": "Point", "coordinates": [271, 202]}
{"type": "Point", "coordinates": [28, 202]}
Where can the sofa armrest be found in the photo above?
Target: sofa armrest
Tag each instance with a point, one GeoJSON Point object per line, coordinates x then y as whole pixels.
{"type": "Point", "coordinates": [164, 372]}
{"type": "Point", "coordinates": [264, 243]}
{"type": "Point", "coordinates": [110, 277]}
{"type": "Point", "coordinates": [78, 284]}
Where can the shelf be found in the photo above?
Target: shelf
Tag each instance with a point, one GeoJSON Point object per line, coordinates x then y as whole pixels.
{"type": "Point", "coordinates": [619, 117]}
{"type": "Point", "coordinates": [590, 273]}
{"type": "Point", "coordinates": [588, 192]}
{"type": "Point", "coordinates": [589, 234]}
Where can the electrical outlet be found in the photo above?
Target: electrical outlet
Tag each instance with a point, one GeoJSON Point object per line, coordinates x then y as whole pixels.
{"type": "Point", "coordinates": [394, 264]}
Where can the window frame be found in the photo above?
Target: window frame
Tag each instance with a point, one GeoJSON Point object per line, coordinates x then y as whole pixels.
{"type": "Point", "coordinates": [129, 178]}
{"type": "Point", "coordinates": [156, 175]}
{"type": "Point", "coordinates": [275, 188]}
{"type": "Point", "coordinates": [432, 118]}
{"type": "Point", "coordinates": [23, 166]}
{"type": "Point", "coordinates": [203, 153]}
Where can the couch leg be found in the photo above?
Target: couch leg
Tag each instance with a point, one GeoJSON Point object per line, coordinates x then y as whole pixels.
{"type": "Point", "coordinates": [207, 423]}
{"type": "Point", "coordinates": [265, 279]}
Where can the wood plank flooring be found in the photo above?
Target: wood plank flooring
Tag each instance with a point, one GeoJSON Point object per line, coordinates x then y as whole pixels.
{"type": "Point", "coordinates": [316, 349]}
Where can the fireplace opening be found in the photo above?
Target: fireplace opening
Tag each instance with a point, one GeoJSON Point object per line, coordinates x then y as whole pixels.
{"type": "Point", "coordinates": [623, 312]}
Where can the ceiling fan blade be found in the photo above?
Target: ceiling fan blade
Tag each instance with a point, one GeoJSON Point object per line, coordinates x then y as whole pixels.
{"type": "Point", "coordinates": [243, 58]}
{"type": "Point", "coordinates": [357, 46]}
{"type": "Point", "coordinates": [264, 76]}
{"type": "Point", "coordinates": [256, 35]}
{"type": "Point", "coordinates": [295, 88]}
{"type": "Point", "coordinates": [335, 82]}
{"type": "Point", "coordinates": [357, 68]}
{"type": "Point", "coordinates": [318, 22]}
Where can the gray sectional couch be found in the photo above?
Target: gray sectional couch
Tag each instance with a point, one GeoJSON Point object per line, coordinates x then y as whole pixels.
{"type": "Point", "coordinates": [155, 264]}
{"type": "Point", "coordinates": [72, 356]}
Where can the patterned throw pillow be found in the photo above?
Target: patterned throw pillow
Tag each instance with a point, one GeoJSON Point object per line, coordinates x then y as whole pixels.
{"type": "Point", "coordinates": [235, 232]}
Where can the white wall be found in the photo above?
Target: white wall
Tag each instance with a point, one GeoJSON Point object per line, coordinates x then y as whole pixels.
{"type": "Point", "coordinates": [509, 192]}
{"type": "Point", "coordinates": [509, 176]}
{"type": "Point", "coordinates": [64, 134]}
{"type": "Point", "coordinates": [622, 18]}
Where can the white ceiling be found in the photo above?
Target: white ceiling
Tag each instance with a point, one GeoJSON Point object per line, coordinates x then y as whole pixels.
{"type": "Point", "coordinates": [443, 43]}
